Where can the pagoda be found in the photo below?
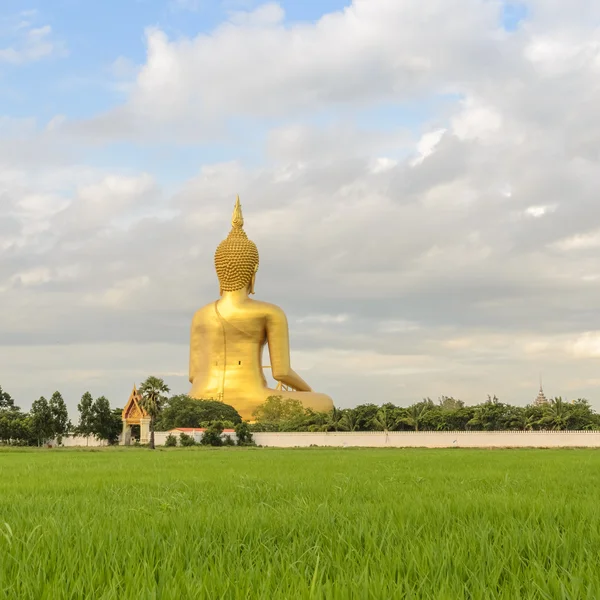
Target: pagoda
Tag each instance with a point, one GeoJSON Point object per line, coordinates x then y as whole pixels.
{"type": "Point", "coordinates": [541, 399]}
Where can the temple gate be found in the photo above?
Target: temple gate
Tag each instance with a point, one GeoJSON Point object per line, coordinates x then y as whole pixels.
{"type": "Point", "coordinates": [134, 414]}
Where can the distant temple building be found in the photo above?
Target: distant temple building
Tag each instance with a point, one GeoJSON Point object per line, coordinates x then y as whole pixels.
{"type": "Point", "coordinates": [134, 415]}
{"type": "Point", "coordinates": [541, 399]}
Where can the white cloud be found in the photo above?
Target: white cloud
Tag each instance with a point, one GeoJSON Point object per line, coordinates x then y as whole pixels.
{"type": "Point", "coordinates": [539, 211]}
{"type": "Point", "coordinates": [464, 272]}
{"type": "Point", "coordinates": [372, 51]}
{"type": "Point", "coordinates": [556, 56]}
{"type": "Point", "coordinates": [121, 293]}
{"type": "Point", "coordinates": [27, 42]}
{"type": "Point", "coordinates": [476, 121]}
{"type": "Point", "coordinates": [324, 319]}
{"type": "Point", "coordinates": [580, 241]}
{"type": "Point", "coordinates": [270, 14]}
{"type": "Point", "coordinates": [587, 345]}
{"type": "Point", "coordinates": [427, 145]}
{"type": "Point", "coordinates": [382, 164]}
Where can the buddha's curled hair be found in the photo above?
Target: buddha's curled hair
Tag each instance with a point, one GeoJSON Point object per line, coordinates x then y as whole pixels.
{"type": "Point", "coordinates": [236, 258]}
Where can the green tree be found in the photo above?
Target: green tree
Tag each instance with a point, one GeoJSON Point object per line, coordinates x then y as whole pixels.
{"type": "Point", "coordinates": [40, 417]}
{"type": "Point", "coordinates": [6, 402]}
{"type": "Point", "coordinates": [14, 426]}
{"type": "Point", "coordinates": [494, 415]}
{"type": "Point", "coordinates": [86, 415]}
{"type": "Point", "coordinates": [364, 415]}
{"type": "Point", "coordinates": [281, 414]}
{"type": "Point", "coordinates": [416, 414]}
{"type": "Point", "coordinates": [581, 415]}
{"type": "Point", "coordinates": [387, 418]}
{"type": "Point", "coordinates": [212, 435]}
{"type": "Point", "coordinates": [450, 404]}
{"type": "Point", "coordinates": [311, 421]}
{"type": "Point", "coordinates": [60, 416]}
{"type": "Point", "coordinates": [102, 419]}
{"type": "Point", "coordinates": [515, 417]}
{"type": "Point", "coordinates": [349, 420]}
{"type": "Point", "coordinates": [116, 426]}
{"type": "Point", "coordinates": [556, 414]}
{"type": "Point", "coordinates": [183, 411]}
{"type": "Point", "coordinates": [153, 392]}
{"type": "Point", "coordinates": [186, 440]}
{"type": "Point", "coordinates": [334, 419]}
{"type": "Point", "coordinates": [532, 419]}
{"type": "Point", "coordinates": [13, 423]}
{"type": "Point", "coordinates": [243, 434]}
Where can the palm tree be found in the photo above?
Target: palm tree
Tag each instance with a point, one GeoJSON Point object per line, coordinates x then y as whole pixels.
{"type": "Point", "coordinates": [152, 392]}
{"type": "Point", "coordinates": [349, 420]}
{"type": "Point", "coordinates": [557, 413]}
{"type": "Point", "coordinates": [334, 419]}
{"type": "Point", "coordinates": [415, 414]}
{"type": "Point", "coordinates": [385, 419]}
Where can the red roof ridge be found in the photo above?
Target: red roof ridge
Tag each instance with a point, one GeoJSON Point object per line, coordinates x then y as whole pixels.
{"type": "Point", "coordinates": [184, 429]}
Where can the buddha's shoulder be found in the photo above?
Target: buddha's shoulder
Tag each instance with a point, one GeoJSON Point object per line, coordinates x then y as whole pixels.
{"type": "Point", "coordinates": [256, 307]}
{"type": "Point", "coordinates": [266, 308]}
{"type": "Point", "coordinates": [207, 308]}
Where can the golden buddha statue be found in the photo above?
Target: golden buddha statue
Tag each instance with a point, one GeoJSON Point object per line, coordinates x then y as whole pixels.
{"type": "Point", "coordinates": [228, 336]}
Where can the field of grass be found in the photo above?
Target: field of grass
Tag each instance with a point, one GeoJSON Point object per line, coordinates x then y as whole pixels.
{"type": "Point", "coordinates": [293, 524]}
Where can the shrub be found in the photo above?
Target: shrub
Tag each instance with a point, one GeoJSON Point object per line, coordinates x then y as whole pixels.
{"type": "Point", "coordinates": [244, 435]}
{"type": "Point", "coordinates": [212, 435]}
{"type": "Point", "coordinates": [186, 440]}
{"type": "Point", "coordinates": [171, 441]}
{"type": "Point", "coordinates": [227, 441]}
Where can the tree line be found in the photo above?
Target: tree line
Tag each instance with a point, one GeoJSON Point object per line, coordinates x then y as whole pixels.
{"type": "Point", "coordinates": [49, 419]}
{"type": "Point", "coordinates": [447, 414]}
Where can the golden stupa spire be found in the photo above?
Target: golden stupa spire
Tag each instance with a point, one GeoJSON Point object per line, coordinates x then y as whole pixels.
{"type": "Point", "coordinates": [237, 221]}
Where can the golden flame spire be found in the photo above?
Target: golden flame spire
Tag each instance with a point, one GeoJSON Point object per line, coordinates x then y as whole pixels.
{"type": "Point", "coordinates": [237, 221]}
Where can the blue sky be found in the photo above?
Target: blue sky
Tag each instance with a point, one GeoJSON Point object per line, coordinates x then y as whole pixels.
{"type": "Point", "coordinates": [81, 82]}
{"type": "Point", "coordinates": [98, 33]}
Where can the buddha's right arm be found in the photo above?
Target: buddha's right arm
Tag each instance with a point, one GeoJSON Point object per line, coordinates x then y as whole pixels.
{"type": "Point", "coordinates": [279, 351]}
{"type": "Point", "coordinates": [293, 380]}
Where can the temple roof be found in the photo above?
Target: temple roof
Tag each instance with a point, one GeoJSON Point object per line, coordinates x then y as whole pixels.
{"type": "Point", "coordinates": [134, 409]}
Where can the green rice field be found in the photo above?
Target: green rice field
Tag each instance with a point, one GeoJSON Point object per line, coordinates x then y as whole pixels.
{"type": "Point", "coordinates": [240, 523]}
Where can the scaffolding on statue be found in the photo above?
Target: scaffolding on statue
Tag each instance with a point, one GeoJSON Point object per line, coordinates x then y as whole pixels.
{"type": "Point", "coordinates": [281, 387]}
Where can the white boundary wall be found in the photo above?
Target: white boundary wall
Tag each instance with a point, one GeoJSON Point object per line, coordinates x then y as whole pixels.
{"type": "Point", "coordinates": [82, 441]}
{"type": "Point", "coordinates": [402, 439]}
{"type": "Point", "coordinates": [434, 439]}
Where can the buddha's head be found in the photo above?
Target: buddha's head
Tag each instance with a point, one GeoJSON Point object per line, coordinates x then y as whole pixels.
{"type": "Point", "coordinates": [236, 258]}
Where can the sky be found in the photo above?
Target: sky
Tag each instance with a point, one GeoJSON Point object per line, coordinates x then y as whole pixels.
{"type": "Point", "coordinates": [421, 180]}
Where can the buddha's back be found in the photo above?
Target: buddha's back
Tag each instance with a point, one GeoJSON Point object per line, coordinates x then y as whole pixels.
{"type": "Point", "coordinates": [226, 348]}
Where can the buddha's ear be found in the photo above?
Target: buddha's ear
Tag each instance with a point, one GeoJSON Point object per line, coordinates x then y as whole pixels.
{"type": "Point", "coordinates": [252, 281]}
